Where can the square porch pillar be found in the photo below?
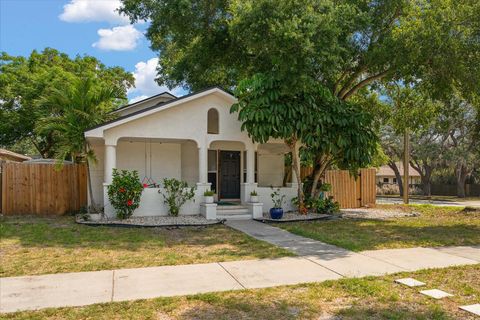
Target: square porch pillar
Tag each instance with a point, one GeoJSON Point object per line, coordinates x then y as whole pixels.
{"type": "Point", "coordinates": [110, 163]}
{"type": "Point", "coordinates": [250, 165]}
{"type": "Point", "coordinates": [249, 184]}
{"type": "Point", "coordinates": [202, 165]}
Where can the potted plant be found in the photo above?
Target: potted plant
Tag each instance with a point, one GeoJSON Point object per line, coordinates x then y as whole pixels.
{"type": "Point", "coordinates": [209, 196]}
{"type": "Point", "coordinates": [277, 211]}
{"type": "Point", "coordinates": [253, 196]}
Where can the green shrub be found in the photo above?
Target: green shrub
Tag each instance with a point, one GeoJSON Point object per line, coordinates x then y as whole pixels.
{"type": "Point", "coordinates": [254, 193]}
{"type": "Point", "coordinates": [209, 193]}
{"type": "Point", "coordinates": [175, 194]}
{"type": "Point", "coordinates": [124, 193]}
{"type": "Point", "coordinates": [319, 205]}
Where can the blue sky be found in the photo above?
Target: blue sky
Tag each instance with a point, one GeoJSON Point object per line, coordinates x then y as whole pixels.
{"type": "Point", "coordinates": [81, 27]}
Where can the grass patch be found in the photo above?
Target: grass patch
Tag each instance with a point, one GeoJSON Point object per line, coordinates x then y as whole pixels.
{"type": "Point", "coordinates": [436, 226]}
{"type": "Point", "coordinates": [35, 245]}
{"type": "Point", "coordinates": [365, 298]}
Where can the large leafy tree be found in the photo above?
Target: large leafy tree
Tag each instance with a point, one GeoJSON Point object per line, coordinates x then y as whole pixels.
{"type": "Point", "coordinates": [345, 45]}
{"type": "Point", "coordinates": [75, 109]}
{"type": "Point", "coordinates": [340, 133]}
{"type": "Point", "coordinates": [24, 80]}
{"type": "Point", "coordinates": [458, 123]}
{"type": "Point", "coordinates": [410, 109]}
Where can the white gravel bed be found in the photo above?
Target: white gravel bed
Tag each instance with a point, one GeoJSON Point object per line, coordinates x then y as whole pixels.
{"type": "Point", "coordinates": [294, 216]}
{"type": "Point", "coordinates": [374, 213]}
{"type": "Point", "coordinates": [154, 221]}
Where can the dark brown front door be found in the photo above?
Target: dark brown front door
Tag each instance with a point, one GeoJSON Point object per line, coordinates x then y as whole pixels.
{"type": "Point", "coordinates": [230, 174]}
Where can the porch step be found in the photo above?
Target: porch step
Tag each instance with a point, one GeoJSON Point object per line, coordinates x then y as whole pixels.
{"type": "Point", "coordinates": [233, 213]}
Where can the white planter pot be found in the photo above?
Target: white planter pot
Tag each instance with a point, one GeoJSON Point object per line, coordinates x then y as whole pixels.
{"type": "Point", "coordinates": [254, 199]}
{"type": "Point", "coordinates": [208, 199]}
{"type": "Point", "coordinates": [95, 216]}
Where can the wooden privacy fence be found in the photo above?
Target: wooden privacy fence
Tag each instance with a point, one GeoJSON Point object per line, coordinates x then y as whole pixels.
{"type": "Point", "coordinates": [43, 189]}
{"type": "Point", "coordinates": [350, 192]}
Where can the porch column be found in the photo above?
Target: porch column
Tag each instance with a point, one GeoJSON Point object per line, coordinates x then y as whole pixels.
{"type": "Point", "coordinates": [110, 162]}
{"type": "Point", "coordinates": [202, 165]}
{"type": "Point", "coordinates": [250, 165]}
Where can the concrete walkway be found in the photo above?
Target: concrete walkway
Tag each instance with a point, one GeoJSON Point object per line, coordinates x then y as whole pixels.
{"type": "Point", "coordinates": [317, 262]}
{"type": "Point", "coordinates": [367, 263]}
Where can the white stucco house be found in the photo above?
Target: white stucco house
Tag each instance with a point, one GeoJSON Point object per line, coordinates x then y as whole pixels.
{"type": "Point", "coordinates": [194, 138]}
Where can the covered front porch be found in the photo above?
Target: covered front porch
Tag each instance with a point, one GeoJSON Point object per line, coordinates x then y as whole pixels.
{"type": "Point", "coordinates": [233, 169]}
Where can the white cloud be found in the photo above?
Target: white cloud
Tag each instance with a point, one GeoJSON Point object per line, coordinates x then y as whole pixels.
{"type": "Point", "coordinates": [145, 85]}
{"type": "Point", "coordinates": [145, 74]}
{"type": "Point", "coordinates": [121, 38]}
{"type": "Point", "coordinates": [93, 10]}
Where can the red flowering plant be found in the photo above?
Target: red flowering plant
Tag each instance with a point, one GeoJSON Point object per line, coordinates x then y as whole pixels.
{"type": "Point", "coordinates": [124, 193]}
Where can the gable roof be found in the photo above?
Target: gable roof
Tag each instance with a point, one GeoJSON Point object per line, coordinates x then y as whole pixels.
{"type": "Point", "coordinates": [136, 103]}
{"type": "Point", "coordinates": [385, 170]}
{"type": "Point", "coordinates": [157, 107]}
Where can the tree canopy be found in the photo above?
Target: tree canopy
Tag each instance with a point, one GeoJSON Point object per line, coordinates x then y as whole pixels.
{"type": "Point", "coordinates": [25, 82]}
{"type": "Point", "coordinates": [345, 45]}
{"type": "Point", "coordinates": [337, 131]}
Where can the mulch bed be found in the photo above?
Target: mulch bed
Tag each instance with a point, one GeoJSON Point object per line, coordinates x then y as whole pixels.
{"type": "Point", "coordinates": [153, 222]}
{"type": "Point", "coordinates": [294, 217]}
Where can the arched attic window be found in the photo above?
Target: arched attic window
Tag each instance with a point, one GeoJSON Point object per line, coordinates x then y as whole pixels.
{"type": "Point", "coordinates": [212, 121]}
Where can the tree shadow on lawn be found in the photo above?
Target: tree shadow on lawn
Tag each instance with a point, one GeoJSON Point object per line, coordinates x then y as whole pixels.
{"type": "Point", "coordinates": [360, 235]}
{"type": "Point", "coordinates": [64, 232]}
{"type": "Point", "coordinates": [332, 310]}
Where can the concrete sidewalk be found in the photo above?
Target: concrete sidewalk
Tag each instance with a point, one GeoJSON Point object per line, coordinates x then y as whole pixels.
{"type": "Point", "coordinates": [318, 262]}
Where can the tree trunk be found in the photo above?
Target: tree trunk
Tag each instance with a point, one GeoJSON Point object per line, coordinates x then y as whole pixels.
{"type": "Point", "coordinates": [398, 176]}
{"type": "Point", "coordinates": [93, 204]}
{"type": "Point", "coordinates": [321, 165]}
{"type": "Point", "coordinates": [425, 171]}
{"type": "Point", "coordinates": [461, 176]}
{"type": "Point", "coordinates": [287, 176]}
{"type": "Point", "coordinates": [292, 143]}
{"type": "Point", "coordinates": [426, 183]}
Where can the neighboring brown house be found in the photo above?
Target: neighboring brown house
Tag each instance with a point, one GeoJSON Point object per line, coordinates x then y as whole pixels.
{"type": "Point", "coordinates": [10, 156]}
{"type": "Point", "coordinates": [385, 175]}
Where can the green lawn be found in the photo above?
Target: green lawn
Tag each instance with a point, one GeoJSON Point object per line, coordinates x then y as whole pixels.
{"type": "Point", "coordinates": [436, 226]}
{"type": "Point", "coordinates": [33, 245]}
{"type": "Point", "coordinates": [365, 298]}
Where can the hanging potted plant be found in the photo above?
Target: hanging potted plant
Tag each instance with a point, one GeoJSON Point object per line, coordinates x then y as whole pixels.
{"type": "Point", "coordinates": [253, 196]}
{"type": "Point", "coordinates": [277, 211]}
{"type": "Point", "coordinates": [209, 196]}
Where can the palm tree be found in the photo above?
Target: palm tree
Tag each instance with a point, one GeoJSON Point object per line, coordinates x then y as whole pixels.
{"type": "Point", "coordinates": [76, 109]}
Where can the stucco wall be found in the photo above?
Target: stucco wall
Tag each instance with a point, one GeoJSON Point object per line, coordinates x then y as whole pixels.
{"type": "Point", "coordinates": [96, 173]}
{"type": "Point", "coordinates": [270, 169]}
{"type": "Point", "coordinates": [184, 121]}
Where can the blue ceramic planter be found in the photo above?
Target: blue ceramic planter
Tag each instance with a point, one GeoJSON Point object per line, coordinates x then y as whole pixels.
{"type": "Point", "coordinates": [276, 213]}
